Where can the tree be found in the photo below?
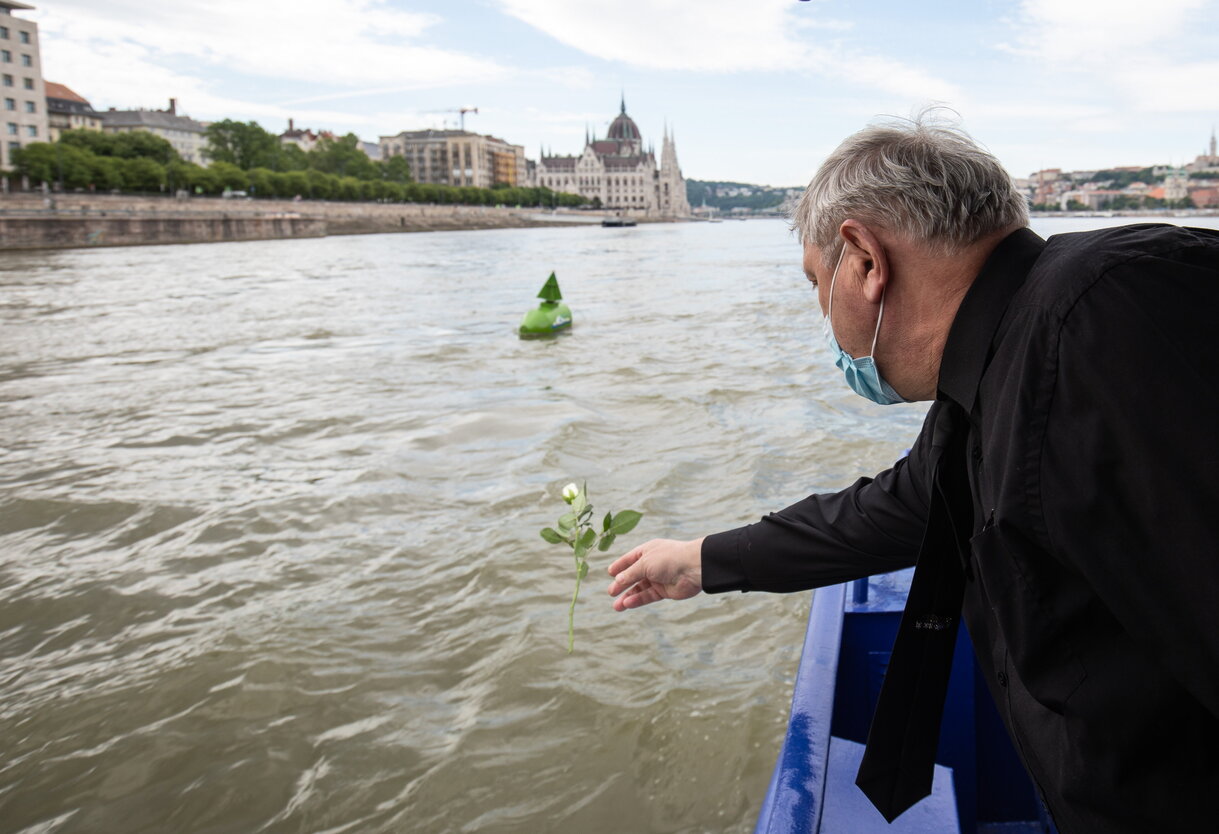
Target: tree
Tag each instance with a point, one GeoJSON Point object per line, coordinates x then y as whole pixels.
{"type": "Point", "coordinates": [229, 177]}
{"type": "Point", "coordinates": [295, 184]}
{"type": "Point", "coordinates": [395, 169]}
{"type": "Point", "coordinates": [135, 144]}
{"type": "Point", "coordinates": [290, 157]}
{"type": "Point", "coordinates": [183, 175]}
{"type": "Point", "coordinates": [105, 172]}
{"type": "Point", "coordinates": [140, 144]}
{"type": "Point", "coordinates": [142, 174]}
{"type": "Point", "coordinates": [342, 157]}
{"type": "Point", "coordinates": [262, 182]}
{"type": "Point", "coordinates": [244, 144]}
{"type": "Point", "coordinates": [93, 141]}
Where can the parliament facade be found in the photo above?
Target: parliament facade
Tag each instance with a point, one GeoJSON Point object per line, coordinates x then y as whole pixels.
{"type": "Point", "coordinates": [618, 172]}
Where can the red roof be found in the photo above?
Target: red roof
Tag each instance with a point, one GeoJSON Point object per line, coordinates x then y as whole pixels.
{"type": "Point", "coordinates": [60, 91]}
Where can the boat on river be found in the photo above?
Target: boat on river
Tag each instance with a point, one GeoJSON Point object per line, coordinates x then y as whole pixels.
{"type": "Point", "coordinates": [979, 786]}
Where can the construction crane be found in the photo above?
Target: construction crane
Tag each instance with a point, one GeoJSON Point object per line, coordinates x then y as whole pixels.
{"type": "Point", "coordinates": [460, 110]}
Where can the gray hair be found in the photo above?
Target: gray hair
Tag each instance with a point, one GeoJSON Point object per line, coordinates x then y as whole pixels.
{"type": "Point", "coordinates": [923, 180]}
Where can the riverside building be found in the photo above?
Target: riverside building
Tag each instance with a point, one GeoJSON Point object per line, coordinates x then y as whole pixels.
{"type": "Point", "coordinates": [617, 172]}
{"type": "Point", "coordinates": [24, 111]}
{"type": "Point", "coordinates": [186, 135]}
{"type": "Point", "coordinates": [457, 157]}
{"type": "Point", "coordinates": [67, 110]}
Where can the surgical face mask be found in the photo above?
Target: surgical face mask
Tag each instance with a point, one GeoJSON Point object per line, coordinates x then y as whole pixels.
{"type": "Point", "coordinates": [861, 374]}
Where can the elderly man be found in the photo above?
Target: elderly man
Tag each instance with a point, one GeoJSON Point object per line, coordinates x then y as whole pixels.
{"type": "Point", "coordinates": [1062, 496]}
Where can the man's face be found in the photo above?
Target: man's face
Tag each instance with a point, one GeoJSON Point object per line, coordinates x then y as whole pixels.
{"type": "Point", "coordinates": [854, 319]}
{"type": "Point", "coordinates": [817, 275]}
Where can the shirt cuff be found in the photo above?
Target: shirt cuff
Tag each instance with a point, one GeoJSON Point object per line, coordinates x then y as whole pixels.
{"type": "Point", "coordinates": [723, 569]}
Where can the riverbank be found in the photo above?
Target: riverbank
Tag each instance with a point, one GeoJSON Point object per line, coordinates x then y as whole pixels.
{"type": "Point", "coordinates": [37, 221]}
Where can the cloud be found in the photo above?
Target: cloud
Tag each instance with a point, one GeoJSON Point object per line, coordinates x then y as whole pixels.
{"type": "Point", "coordinates": [131, 45]}
{"type": "Point", "coordinates": [722, 36]}
{"type": "Point", "coordinates": [1085, 33]}
{"type": "Point", "coordinates": [894, 77]}
{"type": "Point", "coordinates": [1172, 88]}
{"type": "Point", "coordinates": [714, 35]}
{"type": "Point", "coordinates": [1142, 57]}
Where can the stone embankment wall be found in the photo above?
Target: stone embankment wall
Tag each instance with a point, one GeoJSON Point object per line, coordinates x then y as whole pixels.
{"type": "Point", "coordinates": [73, 232]}
{"type": "Point", "coordinates": [33, 220]}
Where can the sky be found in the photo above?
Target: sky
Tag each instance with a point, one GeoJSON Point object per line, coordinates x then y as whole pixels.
{"type": "Point", "coordinates": [756, 91]}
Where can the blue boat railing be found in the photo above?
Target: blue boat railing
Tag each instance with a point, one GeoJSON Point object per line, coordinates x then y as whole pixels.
{"type": "Point", "coordinates": [980, 785]}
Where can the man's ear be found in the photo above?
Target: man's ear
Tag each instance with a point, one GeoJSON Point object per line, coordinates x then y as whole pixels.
{"type": "Point", "coordinates": [866, 259]}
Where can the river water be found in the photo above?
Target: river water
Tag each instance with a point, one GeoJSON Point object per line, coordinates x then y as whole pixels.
{"type": "Point", "coordinates": [269, 557]}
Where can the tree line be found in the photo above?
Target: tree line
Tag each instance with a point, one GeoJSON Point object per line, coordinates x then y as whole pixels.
{"type": "Point", "coordinates": [246, 158]}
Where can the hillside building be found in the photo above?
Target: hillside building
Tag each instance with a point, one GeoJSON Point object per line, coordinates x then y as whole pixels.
{"type": "Point", "coordinates": [1207, 162]}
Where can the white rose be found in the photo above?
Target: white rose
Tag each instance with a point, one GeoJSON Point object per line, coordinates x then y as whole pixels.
{"type": "Point", "coordinates": [570, 492]}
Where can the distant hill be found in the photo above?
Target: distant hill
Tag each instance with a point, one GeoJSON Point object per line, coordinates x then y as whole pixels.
{"type": "Point", "coordinates": [726, 196]}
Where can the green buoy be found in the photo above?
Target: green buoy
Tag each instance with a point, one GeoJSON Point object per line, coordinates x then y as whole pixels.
{"type": "Point", "coordinates": [551, 317]}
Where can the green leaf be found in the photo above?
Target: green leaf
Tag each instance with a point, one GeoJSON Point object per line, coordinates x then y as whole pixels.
{"type": "Point", "coordinates": [580, 503]}
{"type": "Point", "coordinates": [625, 522]}
{"type": "Point", "coordinates": [606, 542]}
{"type": "Point", "coordinates": [588, 538]}
{"type": "Point", "coordinates": [567, 522]}
{"type": "Point", "coordinates": [609, 519]}
{"type": "Point", "coordinates": [551, 536]}
{"type": "Point", "coordinates": [580, 551]}
{"type": "Point", "coordinates": [582, 571]}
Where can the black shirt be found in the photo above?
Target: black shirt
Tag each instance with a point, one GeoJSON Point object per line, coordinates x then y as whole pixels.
{"type": "Point", "coordinates": [1081, 375]}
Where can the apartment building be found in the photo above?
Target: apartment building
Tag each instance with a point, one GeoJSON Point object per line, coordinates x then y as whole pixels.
{"type": "Point", "coordinates": [67, 110]}
{"type": "Point", "coordinates": [457, 157]}
{"type": "Point", "coordinates": [23, 111]}
{"type": "Point", "coordinates": [188, 136]}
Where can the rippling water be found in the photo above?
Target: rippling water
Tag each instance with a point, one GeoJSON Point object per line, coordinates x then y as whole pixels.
{"type": "Point", "coordinates": [268, 529]}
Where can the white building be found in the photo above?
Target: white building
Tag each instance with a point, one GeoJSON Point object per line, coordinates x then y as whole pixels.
{"type": "Point", "coordinates": [188, 136]}
{"type": "Point", "coordinates": [619, 173]}
{"type": "Point", "coordinates": [303, 138]}
{"type": "Point", "coordinates": [24, 110]}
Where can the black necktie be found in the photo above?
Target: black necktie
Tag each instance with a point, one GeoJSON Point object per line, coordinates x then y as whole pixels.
{"type": "Point", "coordinates": [899, 759]}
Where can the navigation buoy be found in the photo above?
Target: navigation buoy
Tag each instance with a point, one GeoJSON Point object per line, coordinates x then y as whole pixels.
{"type": "Point", "coordinates": [551, 317]}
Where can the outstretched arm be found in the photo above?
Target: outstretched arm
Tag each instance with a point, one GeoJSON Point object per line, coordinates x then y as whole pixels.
{"type": "Point", "coordinates": [656, 570]}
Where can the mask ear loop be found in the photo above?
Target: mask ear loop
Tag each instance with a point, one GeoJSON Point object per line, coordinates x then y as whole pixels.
{"type": "Point", "coordinates": [879, 317]}
{"type": "Point", "coordinates": [830, 315]}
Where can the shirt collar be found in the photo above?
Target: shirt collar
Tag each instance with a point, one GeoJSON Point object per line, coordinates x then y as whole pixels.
{"type": "Point", "coordinates": [967, 350]}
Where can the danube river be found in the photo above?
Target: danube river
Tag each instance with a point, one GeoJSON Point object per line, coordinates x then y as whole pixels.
{"type": "Point", "coordinates": [269, 512]}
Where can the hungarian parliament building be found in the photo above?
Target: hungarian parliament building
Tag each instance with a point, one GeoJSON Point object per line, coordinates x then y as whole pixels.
{"type": "Point", "coordinates": [618, 172]}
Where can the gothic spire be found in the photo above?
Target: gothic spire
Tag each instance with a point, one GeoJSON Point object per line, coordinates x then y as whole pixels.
{"type": "Point", "coordinates": [624, 102]}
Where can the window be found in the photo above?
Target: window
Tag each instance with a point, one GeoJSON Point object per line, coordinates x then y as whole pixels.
{"type": "Point", "coordinates": [12, 128]}
{"type": "Point", "coordinates": [14, 146]}
{"type": "Point", "coordinates": [10, 104]}
{"type": "Point", "coordinates": [29, 83]}
{"type": "Point", "coordinates": [31, 130]}
{"type": "Point", "coordinates": [25, 37]}
{"type": "Point", "coordinates": [29, 107]}
{"type": "Point", "coordinates": [26, 61]}
{"type": "Point", "coordinates": [4, 32]}
{"type": "Point", "coordinates": [8, 80]}
{"type": "Point", "coordinates": [6, 56]}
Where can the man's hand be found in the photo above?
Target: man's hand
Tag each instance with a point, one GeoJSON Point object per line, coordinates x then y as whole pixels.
{"type": "Point", "coordinates": [656, 570]}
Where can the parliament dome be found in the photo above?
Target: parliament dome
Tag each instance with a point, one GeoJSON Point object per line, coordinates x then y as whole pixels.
{"type": "Point", "coordinates": [623, 127]}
